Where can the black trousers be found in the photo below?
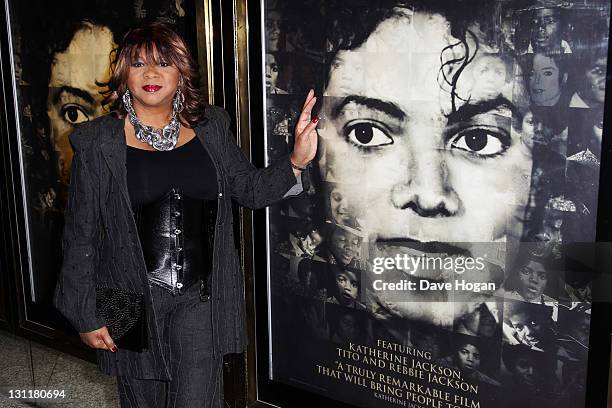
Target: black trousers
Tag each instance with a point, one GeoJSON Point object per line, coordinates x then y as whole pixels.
{"type": "Point", "coordinates": [197, 377]}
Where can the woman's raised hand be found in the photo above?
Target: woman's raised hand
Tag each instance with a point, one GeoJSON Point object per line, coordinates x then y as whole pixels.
{"type": "Point", "coordinates": [305, 144]}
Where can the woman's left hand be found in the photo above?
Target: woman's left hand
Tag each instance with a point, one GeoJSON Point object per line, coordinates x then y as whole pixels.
{"type": "Point", "coordinates": [305, 145]}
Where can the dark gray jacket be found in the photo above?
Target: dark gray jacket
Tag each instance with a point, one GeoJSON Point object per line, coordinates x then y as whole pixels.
{"type": "Point", "coordinates": [101, 246]}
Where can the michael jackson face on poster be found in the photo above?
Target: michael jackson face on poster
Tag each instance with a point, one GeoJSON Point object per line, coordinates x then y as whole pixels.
{"type": "Point", "coordinates": [460, 145]}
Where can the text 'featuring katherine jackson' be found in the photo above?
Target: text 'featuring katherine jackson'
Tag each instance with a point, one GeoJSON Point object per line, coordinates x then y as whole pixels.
{"type": "Point", "coordinates": [401, 375]}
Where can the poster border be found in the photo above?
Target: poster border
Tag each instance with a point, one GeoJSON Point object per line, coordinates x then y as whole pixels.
{"type": "Point", "coordinates": [262, 392]}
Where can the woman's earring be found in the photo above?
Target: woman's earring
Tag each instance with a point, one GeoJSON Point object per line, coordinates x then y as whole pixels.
{"type": "Point", "coordinates": [178, 103]}
{"type": "Point", "coordinates": [127, 100]}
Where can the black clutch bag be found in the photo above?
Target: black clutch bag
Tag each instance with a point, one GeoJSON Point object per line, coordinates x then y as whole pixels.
{"type": "Point", "coordinates": [124, 314]}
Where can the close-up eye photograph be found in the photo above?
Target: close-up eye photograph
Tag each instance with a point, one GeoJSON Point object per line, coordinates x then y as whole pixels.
{"type": "Point", "coordinates": [330, 203]}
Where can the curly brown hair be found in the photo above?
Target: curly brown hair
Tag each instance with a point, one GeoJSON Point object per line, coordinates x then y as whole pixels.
{"type": "Point", "coordinates": [159, 42]}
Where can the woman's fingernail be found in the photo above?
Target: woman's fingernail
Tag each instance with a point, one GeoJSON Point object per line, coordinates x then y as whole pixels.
{"type": "Point", "coordinates": [114, 349]}
{"type": "Point", "coordinates": [315, 119]}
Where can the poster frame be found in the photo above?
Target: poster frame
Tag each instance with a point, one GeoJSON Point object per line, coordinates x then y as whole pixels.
{"type": "Point", "coordinates": [263, 392]}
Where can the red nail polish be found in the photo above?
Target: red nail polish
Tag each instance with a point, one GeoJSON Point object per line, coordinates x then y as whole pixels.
{"type": "Point", "coordinates": [315, 119]}
{"type": "Point", "coordinates": [114, 349]}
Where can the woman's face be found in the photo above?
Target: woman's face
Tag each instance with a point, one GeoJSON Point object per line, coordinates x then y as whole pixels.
{"type": "Point", "coordinates": [468, 357]}
{"type": "Point", "coordinates": [347, 286]}
{"type": "Point", "coordinates": [74, 94]}
{"type": "Point", "coordinates": [545, 81]}
{"type": "Point", "coordinates": [152, 84]}
{"type": "Point", "coordinates": [407, 166]}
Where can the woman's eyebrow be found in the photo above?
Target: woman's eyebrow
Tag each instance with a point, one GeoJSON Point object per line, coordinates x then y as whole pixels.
{"type": "Point", "coordinates": [385, 107]}
{"type": "Point", "coordinates": [469, 110]}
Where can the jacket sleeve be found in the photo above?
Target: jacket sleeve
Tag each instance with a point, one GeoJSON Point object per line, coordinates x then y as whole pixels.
{"type": "Point", "coordinates": [252, 187]}
{"type": "Point", "coordinates": [75, 294]}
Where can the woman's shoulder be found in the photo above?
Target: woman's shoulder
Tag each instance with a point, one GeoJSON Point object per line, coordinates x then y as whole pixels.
{"type": "Point", "coordinates": [215, 114]}
{"type": "Point", "coordinates": [215, 125]}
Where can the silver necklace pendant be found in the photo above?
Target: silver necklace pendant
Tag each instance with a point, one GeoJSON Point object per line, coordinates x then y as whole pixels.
{"type": "Point", "coordinates": [160, 139]}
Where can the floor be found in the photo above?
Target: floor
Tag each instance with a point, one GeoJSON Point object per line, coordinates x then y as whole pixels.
{"type": "Point", "coordinates": [26, 364]}
{"type": "Point", "coordinates": [84, 385]}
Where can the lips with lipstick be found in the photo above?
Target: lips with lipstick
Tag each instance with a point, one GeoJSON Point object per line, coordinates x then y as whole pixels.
{"type": "Point", "coordinates": [152, 88]}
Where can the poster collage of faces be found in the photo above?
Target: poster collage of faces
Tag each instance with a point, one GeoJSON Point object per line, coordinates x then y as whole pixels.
{"type": "Point", "coordinates": [452, 130]}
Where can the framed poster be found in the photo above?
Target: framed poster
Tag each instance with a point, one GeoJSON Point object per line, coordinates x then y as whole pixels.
{"type": "Point", "coordinates": [444, 252]}
{"type": "Point", "coordinates": [55, 61]}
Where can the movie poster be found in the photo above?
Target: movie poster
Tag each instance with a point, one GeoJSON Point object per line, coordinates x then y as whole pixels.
{"type": "Point", "coordinates": [440, 256]}
{"type": "Point", "coordinates": [61, 52]}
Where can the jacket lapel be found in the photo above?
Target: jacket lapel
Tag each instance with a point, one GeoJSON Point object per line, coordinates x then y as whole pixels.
{"type": "Point", "coordinates": [114, 152]}
{"type": "Point", "coordinates": [204, 134]}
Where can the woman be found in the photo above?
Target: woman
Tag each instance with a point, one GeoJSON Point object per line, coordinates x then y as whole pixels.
{"type": "Point", "coordinates": [127, 204]}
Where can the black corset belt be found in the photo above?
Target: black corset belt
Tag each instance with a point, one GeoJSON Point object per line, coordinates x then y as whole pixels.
{"type": "Point", "coordinates": [176, 234]}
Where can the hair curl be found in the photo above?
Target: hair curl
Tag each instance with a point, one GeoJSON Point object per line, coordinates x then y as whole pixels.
{"type": "Point", "coordinates": [158, 41]}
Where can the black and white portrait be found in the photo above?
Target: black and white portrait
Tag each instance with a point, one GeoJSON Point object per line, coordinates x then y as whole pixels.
{"type": "Point", "coordinates": [454, 130]}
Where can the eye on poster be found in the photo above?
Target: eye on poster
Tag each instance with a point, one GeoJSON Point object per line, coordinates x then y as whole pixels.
{"type": "Point", "coordinates": [432, 261]}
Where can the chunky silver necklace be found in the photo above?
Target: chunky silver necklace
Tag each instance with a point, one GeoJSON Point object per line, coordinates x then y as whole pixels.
{"type": "Point", "coordinates": [161, 139]}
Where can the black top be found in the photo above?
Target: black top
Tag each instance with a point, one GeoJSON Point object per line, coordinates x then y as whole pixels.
{"type": "Point", "coordinates": [150, 174]}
